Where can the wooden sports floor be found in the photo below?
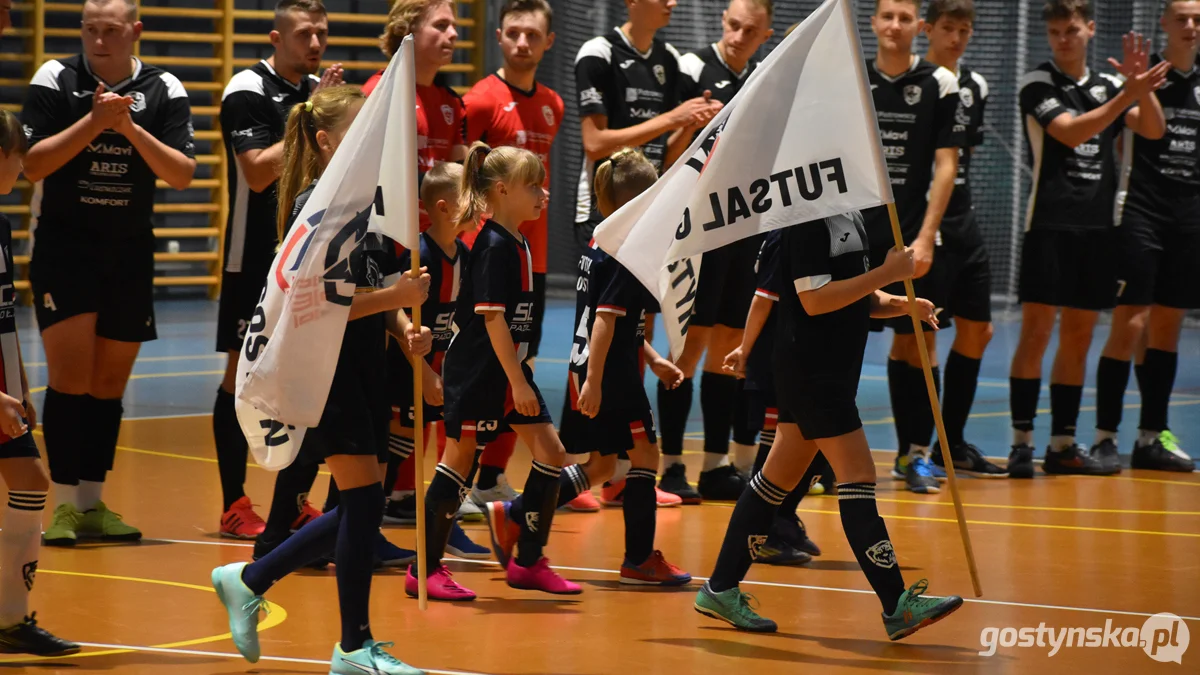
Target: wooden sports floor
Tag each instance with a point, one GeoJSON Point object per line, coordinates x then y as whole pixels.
{"type": "Point", "coordinates": [1060, 552]}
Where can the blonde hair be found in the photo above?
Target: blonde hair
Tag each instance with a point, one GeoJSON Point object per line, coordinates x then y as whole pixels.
{"type": "Point", "coordinates": [623, 176]}
{"type": "Point", "coordinates": [326, 111]}
{"type": "Point", "coordinates": [485, 167]}
{"type": "Point", "coordinates": [12, 135]}
{"type": "Point", "coordinates": [442, 181]}
{"type": "Point", "coordinates": [402, 20]}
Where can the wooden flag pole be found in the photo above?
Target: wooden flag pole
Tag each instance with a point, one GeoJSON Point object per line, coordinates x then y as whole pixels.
{"type": "Point", "coordinates": [918, 331]}
{"type": "Point", "coordinates": [419, 448]}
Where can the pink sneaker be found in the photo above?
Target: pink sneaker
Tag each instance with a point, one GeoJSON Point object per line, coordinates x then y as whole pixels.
{"type": "Point", "coordinates": [584, 503]}
{"type": "Point", "coordinates": [666, 499]}
{"type": "Point", "coordinates": [440, 585]}
{"type": "Point", "coordinates": [540, 578]}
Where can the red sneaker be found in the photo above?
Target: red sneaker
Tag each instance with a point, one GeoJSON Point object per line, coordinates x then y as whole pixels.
{"type": "Point", "coordinates": [440, 585]}
{"type": "Point", "coordinates": [241, 522]}
{"type": "Point", "coordinates": [656, 571]}
{"type": "Point", "coordinates": [584, 503]}
{"type": "Point", "coordinates": [308, 512]}
{"type": "Point", "coordinates": [613, 494]}
{"type": "Point", "coordinates": [666, 499]}
{"type": "Point", "coordinates": [540, 578]}
{"type": "Point", "coordinates": [504, 532]}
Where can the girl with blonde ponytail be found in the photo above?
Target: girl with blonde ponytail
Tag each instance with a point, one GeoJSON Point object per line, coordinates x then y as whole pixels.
{"type": "Point", "coordinates": [351, 437]}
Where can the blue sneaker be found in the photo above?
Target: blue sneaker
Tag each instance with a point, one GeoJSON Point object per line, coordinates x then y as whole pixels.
{"type": "Point", "coordinates": [242, 605]}
{"type": "Point", "coordinates": [388, 554]}
{"type": "Point", "coordinates": [462, 546]}
{"type": "Point", "coordinates": [370, 659]}
{"type": "Point", "coordinates": [919, 476]}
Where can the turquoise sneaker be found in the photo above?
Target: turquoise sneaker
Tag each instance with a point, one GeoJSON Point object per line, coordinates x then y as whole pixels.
{"type": "Point", "coordinates": [914, 612]}
{"type": "Point", "coordinates": [370, 659]}
{"type": "Point", "coordinates": [242, 605]}
{"type": "Point", "coordinates": [733, 607]}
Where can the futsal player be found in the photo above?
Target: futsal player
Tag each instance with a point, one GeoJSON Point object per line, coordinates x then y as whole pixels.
{"type": "Point", "coordinates": [254, 108]}
{"type": "Point", "coordinates": [351, 438]}
{"type": "Point", "coordinates": [102, 126]}
{"type": "Point", "coordinates": [510, 107]}
{"type": "Point", "coordinates": [917, 103]}
{"type": "Point", "coordinates": [1068, 260]}
{"type": "Point", "coordinates": [631, 95]}
{"type": "Point", "coordinates": [1158, 276]}
{"type": "Point", "coordinates": [727, 284]}
{"type": "Point", "coordinates": [967, 276]}
{"type": "Point", "coordinates": [824, 320]}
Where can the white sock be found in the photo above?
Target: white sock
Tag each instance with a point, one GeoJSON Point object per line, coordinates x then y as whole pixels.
{"type": "Point", "coordinates": [1022, 437]}
{"type": "Point", "coordinates": [89, 494]}
{"type": "Point", "coordinates": [66, 494]}
{"type": "Point", "coordinates": [714, 460]}
{"type": "Point", "coordinates": [621, 471]}
{"type": "Point", "coordinates": [669, 461]}
{"type": "Point", "coordinates": [1146, 438]}
{"type": "Point", "coordinates": [19, 544]}
{"type": "Point", "coordinates": [1061, 442]}
{"type": "Point", "coordinates": [915, 450]}
{"type": "Point", "coordinates": [1102, 435]}
{"type": "Point", "coordinates": [744, 456]}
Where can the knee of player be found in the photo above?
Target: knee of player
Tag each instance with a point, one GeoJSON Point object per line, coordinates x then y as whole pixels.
{"type": "Point", "coordinates": [31, 478]}
{"type": "Point", "coordinates": [644, 456]}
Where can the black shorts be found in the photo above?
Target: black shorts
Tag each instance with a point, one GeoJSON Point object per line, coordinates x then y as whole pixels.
{"type": "Point", "coordinates": [400, 390]}
{"type": "Point", "coordinates": [240, 294]}
{"type": "Point", "coordinates": [822, 408]}
{"type": "Point", "coordinates": [726, 285]}
{"type": "Point", "coordinates": [932, 287]}
{"type": "Point", "coordinates": [1159, 264]}
{"type": "Point", "coordinates": [539, 313]}
{"type": "Point", "coordinates": [487, 413]}
{"type": "Point", "coordinates": [968, 285]}
{"type": "Point", "coordinates": [762, 410]}
{"type": "Point", "coordinates": [73, 274]}
{"type": "Point", "coordinates": [355, 422]}
{"type": "Point", "coordinates": [22, 446]}
{"type": "Point", "coordinates": [1069, 269]}
{"type": "Point", "coordinates": [609, 433]}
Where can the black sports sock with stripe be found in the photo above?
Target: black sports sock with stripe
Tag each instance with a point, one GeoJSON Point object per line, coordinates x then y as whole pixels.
{"type": "Point", "coordinates": [1064, 408]}
{"type": "Point", "coordinates": [868, 537]}
{"type": "Point", "coordinates": [232, 450]}
{"type": "Point", "coordinates": [766, 438]}
{"type": "Point", "coordinates": [362, 512]}
{"type": "Point", "coordinates": [399, 450]}
{"type": "Point", "coordinates": [1023, 396]}
{"type": "Point", "coordinates": [572, 482]}
{"type": "Point", "coordinates": [536, 512]}
{"type": "Point", "coordinates": [639, 510]}
{"type": "Point", "coordinates": [446, 493]}
{"type": "Point", "coordinates": [747, 532]}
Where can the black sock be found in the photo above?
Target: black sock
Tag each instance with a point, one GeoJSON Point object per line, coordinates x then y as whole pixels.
{"type": "Point", "coordinates": [232, 450]}
{"type": "Point", "coordinates": [1158, 369]}
{"type": "Point", "coordinates": [868, 537]}
{"type": "Point", "coordinates": [639, 509]}
{"type": "Point", "coordinates": [1023, 396]}
{"type": "Point", "coordinates": [535, 513]}
{"type": "Point", "coordinates": [572, 482]}
{"type": "Point", "coordinates": [766, 439]}
{"type": "Point", "coordinates": [104, 425]}
{"type": "Point", "coordinates": [446, 493]}
{"type": "Point", "coordinates": [332, 498]}
{"type": "Point", "coordinates": [1112, 377]}
{"type": "Point", "coordinates": [488, 476]}
{"type": "Point", "coordinates": [898, 393]}
{"type": "Point", "coordinates": [1064, 408]}
{"type": "Point", "coordinates": [674, 406]}
{"type": "Point", "coordinates": [292, 486]}
{"type": "Point", "coordinates": [962, 379]}
{"type": "Point", "coordinates": [362, 513]}
{"type": "Point", "coordinates": [922, 425]}
{"type": "Point", "coordinates": [717, 392]}
{"type": "Point", "coordinates": [64, 427]}
{"type": "Point", "coordinates": [744, 432]}
{"type": "Point", "coordinates": [811, 475]}
{"type": "Point", "coordinates": [399, 449]}
{"type": "Point", "coordinates": [747, 532]}
{"type": "Point", "coordinates": [310, 542]}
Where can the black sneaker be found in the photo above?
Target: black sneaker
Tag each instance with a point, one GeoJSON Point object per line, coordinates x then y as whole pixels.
{"type": "Point", "coordinates": [1072, 461]}
{"type": "Point", "coordinates": [401, 511]}
{"type": "Point", "coordinates": [723, 484]}
{"type": "Point", "coordinates": [1105, 452]}
{"type": "Point", "coordinates": [779, 552]}
{"type": "Point", "coordinates": [792, 531]}
{"type": "Point", "coordinates": [265, 544]}
{"type": "Point", "coordinates": [28, 638]}
{"type": "Point", "coordinates": [1020, 461]}
{"type": "Point", "coordinates": [674, 480]}
{"type": "Point", "coordinates": [1163, 454]}
{"type": "Point", "coordinates": [968, 459]}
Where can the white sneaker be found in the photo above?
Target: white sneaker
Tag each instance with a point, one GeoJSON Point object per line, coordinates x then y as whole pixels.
{"type": "Point", "coordinates": [470, 512]}
{"type": "Point", "coordinates": [502, 492]}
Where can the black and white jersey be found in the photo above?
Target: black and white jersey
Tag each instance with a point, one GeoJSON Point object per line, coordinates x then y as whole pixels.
{"type": "Point", "coordinates": [760, 373]}
{"type": "Point", "coordinates": [254, 110]}
{"type": "Point", "coordinates": [1074, 188]}
{"type": "Point", "coordinates": [705, 69]}
{"type": "Point", "coordinates": [1162, 177]}
{"type": "Point", "coordinates": [107, 189]}
{"type": "Point", "coordinates": [972, 98]}
{"type": "Point", "coordinates": [918, 115]}
{"type": "Point", "coordinates": [628, 87]}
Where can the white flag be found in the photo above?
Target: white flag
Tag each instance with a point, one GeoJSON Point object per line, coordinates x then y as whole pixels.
{"type": "Point", "coordinates": [799, 142]}
{"type": "Point", "coordinates": [291, 349]}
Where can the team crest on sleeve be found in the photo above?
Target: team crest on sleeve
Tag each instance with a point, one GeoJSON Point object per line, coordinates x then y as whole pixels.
{"type": "Point", "coordinates": [448, 114]}
{"type": "Point", "coordinates": [139, 102]}
{"type": "Point", "coordinates": [1099, 92]}
{"type": "Point", "coordinates": [967, 97]}
{"type": "Point", "coordinates": [660, 74]}
{"type": "Point", "coordinates": [912, 94]}
{"type": "Point", "coordinates": [548, 114]}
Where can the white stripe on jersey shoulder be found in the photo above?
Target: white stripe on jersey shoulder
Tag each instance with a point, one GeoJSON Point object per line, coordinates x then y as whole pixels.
{"type": "Point", "coordinates": [947, 82]}
{"type": "Point", "coordinates": [812, 283]}
{"type": "Point", "coordinates": [247, 80]}
{"type": "Point", "coordinates": [671, 48]}
{"type": "Point", "coordinates": [598, 47]}
{"type": "Point", "coordinates": [1116, 80]}
{"type": "Point", "coordinates": [1038, 76]}
{"type": "Point", "coordinates": [983, 85]}
{"type": "Point", "coordinates": [174, 86]}
{"type": "Point", "coordinates": [691, 65]}
{"type": "Point", "coordinates": [314, 79]}
{"type": "Point", "coordinates": [47, 75]}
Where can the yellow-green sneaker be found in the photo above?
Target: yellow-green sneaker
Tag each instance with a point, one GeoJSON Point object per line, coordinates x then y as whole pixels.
{"type": "Point", "coordinates": [100, 523]}
{"type": "Point", "coordinates": [62, 526]}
